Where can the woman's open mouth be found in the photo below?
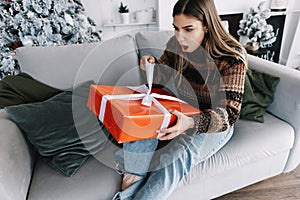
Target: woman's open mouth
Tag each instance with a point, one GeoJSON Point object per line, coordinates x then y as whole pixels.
{"type": "Point", "coordinates": [184, 47]}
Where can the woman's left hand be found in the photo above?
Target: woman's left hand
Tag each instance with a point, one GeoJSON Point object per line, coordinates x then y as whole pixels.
{"type": "Point", "coordinates": [183, 123]}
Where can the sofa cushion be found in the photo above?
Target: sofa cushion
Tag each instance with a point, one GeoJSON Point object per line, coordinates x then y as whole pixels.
{"type": "Point", "coordinates": [258, 94]}
{"type": "Point", "coordinates": [250, 143]}
{"type": "Point", "coordinates": [54, 65]}
{"type": "Point", "coordinates": [97, 179]}
{"type": "Point", "coordinates": [113, 62]}
{"type": "Point", "coordinates": [66, 66]}
{"type": "Point", "coordinates": [251, 155]}
{"type": "Point", "coordinates": [61, 129]}
{"type": "Point", "coordinates": [22, 88]}
{"type": "Point", "coordinates": [152, 42]}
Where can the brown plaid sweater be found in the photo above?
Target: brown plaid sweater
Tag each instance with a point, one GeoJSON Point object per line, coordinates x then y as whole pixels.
{"type": "Point", "coordinates": [216, 87]}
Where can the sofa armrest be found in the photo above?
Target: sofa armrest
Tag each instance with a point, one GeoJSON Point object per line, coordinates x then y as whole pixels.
{"type": "Point", "coordinates": [286, 104]}
{"type": "Point", "coordinates": [16, 163]}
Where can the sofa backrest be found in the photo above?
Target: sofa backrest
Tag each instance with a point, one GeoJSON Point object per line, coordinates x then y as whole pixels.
{"type": "Point", "coordinates": [152, 42]}
{"type": "Point", "coordinates": [110, 62]}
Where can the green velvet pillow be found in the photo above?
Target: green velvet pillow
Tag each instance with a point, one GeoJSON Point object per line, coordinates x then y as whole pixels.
{"type": "Point", "coordinates": [258, 94]}
{"type": "Point", "coordinates": [62, 129]}
{"type": "Point", "coordinates": [22, 88]}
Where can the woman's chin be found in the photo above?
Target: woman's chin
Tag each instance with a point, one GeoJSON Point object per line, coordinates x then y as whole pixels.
{"type": "Point", "coordinates": [187, 49]}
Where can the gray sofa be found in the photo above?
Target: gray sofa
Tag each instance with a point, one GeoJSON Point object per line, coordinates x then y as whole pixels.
{"type": "Point", "coordinates": [256, 152]}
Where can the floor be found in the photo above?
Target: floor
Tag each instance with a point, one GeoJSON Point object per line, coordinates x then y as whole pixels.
{"type": "Point", "coordinates": [281, 187]}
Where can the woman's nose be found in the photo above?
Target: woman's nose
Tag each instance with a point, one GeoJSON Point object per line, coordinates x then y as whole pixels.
{"type": "Point", "coordinates": [180, 36]}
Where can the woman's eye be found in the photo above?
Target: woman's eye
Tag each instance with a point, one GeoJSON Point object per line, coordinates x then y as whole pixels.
{"type": "Point", "coordinates": [188, 30]}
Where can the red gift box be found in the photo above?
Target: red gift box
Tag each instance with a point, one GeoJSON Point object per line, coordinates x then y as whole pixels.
{"type": "Point", "coordinates": [121, 111]}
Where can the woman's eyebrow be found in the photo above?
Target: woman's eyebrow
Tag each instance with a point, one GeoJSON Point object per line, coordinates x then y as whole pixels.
{"type": "Point", "coordinates": [187, 26]}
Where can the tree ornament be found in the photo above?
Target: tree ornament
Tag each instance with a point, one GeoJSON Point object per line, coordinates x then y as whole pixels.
{"type": "Point", "coordinates": [14, 44]}
{"type": "Point", "coordinates": [68, 19]}
{"type": "Point", "coordinates": [30, 14]}
{"type": "Point", "coordinates": [27, 42]}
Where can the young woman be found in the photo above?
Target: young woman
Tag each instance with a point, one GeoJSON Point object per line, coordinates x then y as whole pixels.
{"type": "Point", "coordinates": [208, 66]}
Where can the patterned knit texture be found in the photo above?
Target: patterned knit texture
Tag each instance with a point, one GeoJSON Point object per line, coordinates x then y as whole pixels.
{"type": "Point", "coordinates": [215, 88]}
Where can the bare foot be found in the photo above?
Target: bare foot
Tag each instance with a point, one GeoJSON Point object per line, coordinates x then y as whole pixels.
{"type": "Point", "coordinates": [129, 179]}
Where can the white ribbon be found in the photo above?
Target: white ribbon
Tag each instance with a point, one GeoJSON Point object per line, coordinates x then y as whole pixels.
{"type": "Point", "coordinates": [147, 100]}
{"type": "Point", "coordinates": [146, 95]}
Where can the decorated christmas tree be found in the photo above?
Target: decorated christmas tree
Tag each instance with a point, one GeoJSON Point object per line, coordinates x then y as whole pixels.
{"type": "Point", "coordinates": [41, 23]}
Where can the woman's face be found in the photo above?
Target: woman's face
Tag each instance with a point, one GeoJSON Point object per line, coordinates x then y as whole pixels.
{"type": "Point", "coordinates": [189, 32]}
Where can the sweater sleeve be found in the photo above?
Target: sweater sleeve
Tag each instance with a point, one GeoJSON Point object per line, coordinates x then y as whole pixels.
{"type": "Point", "coordinates": [220, 118]}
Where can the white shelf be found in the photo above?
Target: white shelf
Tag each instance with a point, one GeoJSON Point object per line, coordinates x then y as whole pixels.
{"type": "Point", "coordinates": [130, 24]}
{"type": "Point", "coordinates": [114, 26]}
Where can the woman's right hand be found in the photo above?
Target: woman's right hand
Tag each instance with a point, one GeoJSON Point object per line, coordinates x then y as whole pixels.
{"type": "Point", "coordinates": [143, 60]}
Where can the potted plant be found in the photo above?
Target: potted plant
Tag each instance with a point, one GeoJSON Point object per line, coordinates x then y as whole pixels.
{"type": "Point", "coordinates": [124, 11]}
{"type": "Point", "coordinates": [255, 29]}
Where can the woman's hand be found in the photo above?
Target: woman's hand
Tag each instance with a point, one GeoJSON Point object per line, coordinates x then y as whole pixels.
{"type": "Point", "coordinates": [143, 60]}
{"type": "Point", "coordinates": [183, 123]}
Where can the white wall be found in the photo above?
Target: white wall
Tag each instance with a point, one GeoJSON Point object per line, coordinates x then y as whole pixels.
{"type": "Point", "coordinates": [290, 31]}
{"type": "Point", "coordinates": [164, 13]}
{"type": "Point", "coordinates": [292, 18]}
{"type": "Point", "coordinates": [293, 58]}
{"type": "Point", "coordinates": [294, 5]}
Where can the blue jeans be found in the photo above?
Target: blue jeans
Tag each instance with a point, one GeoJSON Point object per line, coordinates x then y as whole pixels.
{"type": "Point", "coordinates": [163, 169]}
